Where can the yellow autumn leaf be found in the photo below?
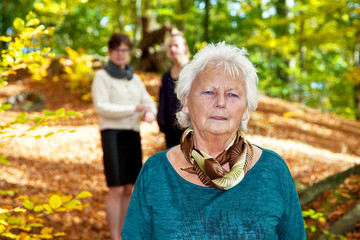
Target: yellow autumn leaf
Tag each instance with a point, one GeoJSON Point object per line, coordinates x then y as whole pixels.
{"type": "Point", "coordinates": [3, 222]}
{"type": "Point", "coordinates": [55, 201]}
{"type": "Point", "coordinates": [38, 208]}
{"type": "Point", "coordinates": [345, 195]}
{"type": "Point", "coordinates": [23, 235]}
{"type": "Point", "coordinates": [45, 236]}
{"type": "Point", "coordinates": [46, 230]}
{"type": "Point", "coordinates": [33, 22]}
{"type": "Point", "coordinates": [47, 208]}
{"type": "Point", "coordinates": [19, 209]}
{"type": "Point", "coordinates": [3, 210]}
{"type": "Point", "coordinates": [25, 228]}
{"type": "Point", "coordinates": [61, 209]}
{"type": "Point", "coordinates": [5, 39]}
{"type": "Point", "coordinates": [28, 204]}
{"type": "Point", "coordinates": [72, 203]}
{"type": "Point", "coordinates": [19, 24]}
{"type": "Point", "coordinates": [84, 194]}
{"type": "Point", "coordinates": [66, 198]}
{"type": "Point", "coordinates": [59, 234]}
{"type": "Point", "coordinates": [35, 225]}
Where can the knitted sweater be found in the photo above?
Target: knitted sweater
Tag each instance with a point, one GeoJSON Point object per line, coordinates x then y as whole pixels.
{"type": "Point", "coordinates": [264, 205]}
{"type": "Point", "coordinates": [115, 101]}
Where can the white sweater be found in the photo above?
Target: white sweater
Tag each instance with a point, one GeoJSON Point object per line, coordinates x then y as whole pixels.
{"type": "Point", "coordinates": [115, 101]}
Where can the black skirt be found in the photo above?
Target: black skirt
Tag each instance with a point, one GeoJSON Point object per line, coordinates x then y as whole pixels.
{"type": "Point", "coordinates": [122, 156]}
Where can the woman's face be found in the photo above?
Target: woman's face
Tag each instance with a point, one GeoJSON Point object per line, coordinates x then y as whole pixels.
{"type": "Point", "coordinates": [177, 47]}
{"type": "Point", "coordinates": [120, 56]}
{"type": "Point", "coordinates": [216, 103]}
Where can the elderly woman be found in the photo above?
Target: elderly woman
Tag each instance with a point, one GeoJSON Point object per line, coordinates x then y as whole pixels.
{"type": "Point", "coordinates": [215, 184]}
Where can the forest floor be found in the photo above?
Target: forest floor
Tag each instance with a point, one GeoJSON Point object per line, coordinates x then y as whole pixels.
{"type": "Point", "coordinates": [314, 144]}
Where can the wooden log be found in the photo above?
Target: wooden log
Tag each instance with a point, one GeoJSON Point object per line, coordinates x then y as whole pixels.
{"type": "Point", "coordinates": [331, 182]}
{"type": "Point", "coordinates": [345, 224]}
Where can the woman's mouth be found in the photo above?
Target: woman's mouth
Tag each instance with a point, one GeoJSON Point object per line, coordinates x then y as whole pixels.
{"type": "Point", "coordinates": [218, 118]}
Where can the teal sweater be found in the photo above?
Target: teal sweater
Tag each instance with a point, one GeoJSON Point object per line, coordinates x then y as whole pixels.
{"type": "Point", "coordinates": [264, 205]}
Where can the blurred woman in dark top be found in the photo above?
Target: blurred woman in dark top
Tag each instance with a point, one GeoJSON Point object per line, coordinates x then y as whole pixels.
{"type": "Point", "coordinates": [169, 105]}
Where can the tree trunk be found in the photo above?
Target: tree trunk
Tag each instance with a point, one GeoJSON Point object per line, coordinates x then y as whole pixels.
{"type": "Point", "coordinates": [357, 100]}
{"type": "Point", "coordinates": [357, 84]}
{"type": "Point", "coordinates": [345, 224]}
{"type": "Point", "coordinates": [281, 10]}
{"type": "Point", "coordinates": [184, 10]}
{"type": "Point", "coordinates": [281, 31]}
{"type": "Point", "coordinates": [206, 20]}
{"type": "Point", "coordinates": [302, 50]}
{"type": "Point", "coordinates": [139, 28]}
{"type": "Point", "coordinates": [120, 15]}
{"type": "Point", "coordinates": [331, 182]}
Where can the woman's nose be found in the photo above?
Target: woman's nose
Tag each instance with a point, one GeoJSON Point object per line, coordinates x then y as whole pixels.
{"type": "Point", "coordinates": [220, 101]}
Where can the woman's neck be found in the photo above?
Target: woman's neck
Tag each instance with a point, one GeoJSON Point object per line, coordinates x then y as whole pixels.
{"type": "Point", "coordinates": [212, 144]}
{"type": "Point", "coordinates": [177, 65]}
{"type": "Point", "coordinates": [181, 61]}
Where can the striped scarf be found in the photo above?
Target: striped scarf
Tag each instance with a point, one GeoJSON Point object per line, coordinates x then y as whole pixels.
{"type": "Point", "coordinates": [239, 154]}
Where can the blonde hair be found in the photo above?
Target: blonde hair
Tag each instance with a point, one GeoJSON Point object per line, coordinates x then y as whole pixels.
{"type": "Point", "coordinates": [177, 33]}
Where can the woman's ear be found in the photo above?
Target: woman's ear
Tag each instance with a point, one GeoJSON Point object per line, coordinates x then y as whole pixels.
{"type": "Point", "coordinates": [185, 108]}
{"type": "Point", "coordinates": [187, 49]}
{"type": "Point", "coordinates": [246, 115]}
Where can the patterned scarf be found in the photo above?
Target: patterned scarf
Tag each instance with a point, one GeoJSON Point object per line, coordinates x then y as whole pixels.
{"type": "Point", "coordinates": [239, 154]}
{"type": "Point", "coordinates": [117, 72]}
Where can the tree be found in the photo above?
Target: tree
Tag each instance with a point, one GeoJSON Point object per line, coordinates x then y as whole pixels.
{"type": "Point", "coordinates": [9, 11]}
{"type": "Point", "coordinates": [25, 51]}
{"type": "Point", "coordinates": [304, 52]}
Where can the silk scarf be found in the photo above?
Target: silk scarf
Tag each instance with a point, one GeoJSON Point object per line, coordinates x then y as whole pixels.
{"type": "Point", "coordinates": [117, 72]}
{"type": "Point", "coordinates": [239, 155]}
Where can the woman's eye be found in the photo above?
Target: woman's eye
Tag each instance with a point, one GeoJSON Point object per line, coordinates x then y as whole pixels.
{"type": "Point", "coordinates": [208, 92]}
{"type": "Point", "coordinates": [232, 95]}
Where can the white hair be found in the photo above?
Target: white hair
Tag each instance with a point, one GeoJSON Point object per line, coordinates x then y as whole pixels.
{"type": "Point", "coordinates": [235, 64]}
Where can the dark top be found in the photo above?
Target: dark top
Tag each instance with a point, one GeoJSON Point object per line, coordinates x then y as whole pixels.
{"type": "Point", "coordinates": [169, 104]}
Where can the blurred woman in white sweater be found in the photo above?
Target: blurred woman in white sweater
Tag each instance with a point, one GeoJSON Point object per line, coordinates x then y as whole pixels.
{"type": "Point", "coordinates": [120, 99]}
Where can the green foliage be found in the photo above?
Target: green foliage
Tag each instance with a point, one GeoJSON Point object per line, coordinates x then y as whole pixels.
{"type": "Point", "coordinates": [79, 73]}
{"type": "Point", "coordinates": [28, 221]}
{"type": "Point", "coordinates": [311, 213]}
{"type": "Point", "coordinates": [35, 121]}
{"type": "Point", "coordinates": [313, 221]}
{"type": "Point", "coordinates": [80, 24]}
{"type": "Point", "coordinates": [3, 160]}
{"type": "Point", "coordinates": [304, 52]}
{"type": "Point", "coordinates": [26, 50]}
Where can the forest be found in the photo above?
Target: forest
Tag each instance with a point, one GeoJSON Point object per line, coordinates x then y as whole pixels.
{"type": "Point", "coordinates": [307, 53]}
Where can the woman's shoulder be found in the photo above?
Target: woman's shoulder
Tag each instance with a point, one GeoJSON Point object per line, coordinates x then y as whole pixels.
{"type": "Point", "coordinates": [272, 159]}
{"type": "Point", "coordinates": [100, 72]}
{"type": "Point", "coordinates": [166, 76]}
{"type": "Point", "coordinates": [153, 168]}
{"type": "Point", "coordinates": [268, 153]}
{"type": "Point", "coordinates": [101, 75]}
{"type": "Point", "coordinates": [137, 79]}
{"type": "Point", "coordinates": [155, 161]}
